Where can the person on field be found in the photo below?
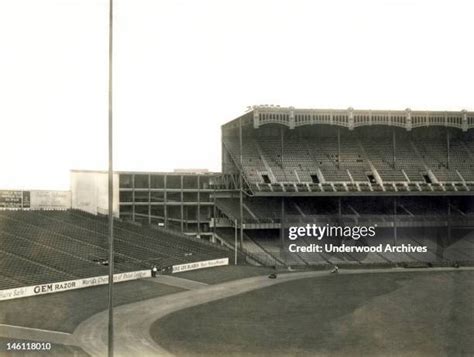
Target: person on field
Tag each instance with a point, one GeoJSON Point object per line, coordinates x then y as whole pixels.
{"type": "Point", "coordinates": [273, 275]}
{"type": "Point", "coordinates": [154, 270]}
{"type": "Point", "coordinates": [335, 270]}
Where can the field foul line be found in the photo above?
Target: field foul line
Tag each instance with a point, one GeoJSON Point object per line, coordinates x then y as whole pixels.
{"type": "Point", "coordinates": [34, 329]}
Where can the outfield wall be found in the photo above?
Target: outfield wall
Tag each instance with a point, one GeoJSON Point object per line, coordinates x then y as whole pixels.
{"type": "Point", "coordinates": [50, 288]}
{"type": "Point", "coordinates": [200, 265]}
{"type": "Point", "coordinates": [61, 286]}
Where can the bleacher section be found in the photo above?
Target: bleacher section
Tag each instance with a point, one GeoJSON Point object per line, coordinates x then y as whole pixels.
{"type": "Point", "coordinates": [48, 246]}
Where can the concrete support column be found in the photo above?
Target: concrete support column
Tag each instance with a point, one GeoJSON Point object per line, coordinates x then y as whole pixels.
{"type": "Point", "coordinates": [182, 205]}
{"type": "Point", "coordinates": [464, 120]}
{"type": "Point", "coordinates": [447, 148]}
{"type": "Point", "coordinates": [149, 199]}
{"type": "Point", "coordinates": [282, 138]}
{"type": "Point", "coordinates": [214, 214]}
{"type": "Point", "coordinates": [395, 233]}
{"type": "Point", "coordinates": [408, 123]}
{"type": "Point", "coordinates": [165, 200]}
{"type": "Point", "coordinates": [133, 197]}
{"type": "Point", "coordinates": [448, 199]}
{"type": "Point", "coordinates": [282, 223]}
{"type": "Point", "coordinates": [394, 142]}
{"type": "Point", "coordinates": [256, 119]}
{"type": "Point", "coordinates": [241, 188]}
{"type": "Point", "coordinates": [338, 148]}
{"type": "Point", "coordinates": [350, 118]}
{"type": "Point", "coordinates": [292, 118]}
{"type": "Point", "coordinates": [235, 242]}
{"type": "Point", "coordinates": [199, 206]}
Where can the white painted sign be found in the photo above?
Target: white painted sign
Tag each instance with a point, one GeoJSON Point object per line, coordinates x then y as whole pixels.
{"type": "Point", "coordinates": [70, 285]}
{"type": "Point", "coordinates": [200, 265]}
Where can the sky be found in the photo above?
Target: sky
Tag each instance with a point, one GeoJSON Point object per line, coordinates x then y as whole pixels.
{"type": "Point", "coordinates": [182, 68]}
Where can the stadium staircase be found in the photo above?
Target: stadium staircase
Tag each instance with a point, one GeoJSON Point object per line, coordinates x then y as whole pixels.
{"type": "Point", "coordinates": [251, 252]}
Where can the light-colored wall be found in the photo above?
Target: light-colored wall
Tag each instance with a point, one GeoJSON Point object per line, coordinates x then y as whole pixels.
{"type": "Point", "coordinates": [89, 192]}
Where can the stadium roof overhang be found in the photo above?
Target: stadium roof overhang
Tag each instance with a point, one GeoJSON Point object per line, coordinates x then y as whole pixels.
{"type": "Point", "coordinates": [350, 118]}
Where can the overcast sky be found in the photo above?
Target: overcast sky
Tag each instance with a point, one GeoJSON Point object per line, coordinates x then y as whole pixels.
{"type": "Point", "coordinates": [183, 68]}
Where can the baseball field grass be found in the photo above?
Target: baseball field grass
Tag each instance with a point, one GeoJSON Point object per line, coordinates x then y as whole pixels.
{"type": "Point", "coordinates": [395, 314]}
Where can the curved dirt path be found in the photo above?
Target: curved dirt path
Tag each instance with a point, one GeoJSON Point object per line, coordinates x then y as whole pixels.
{"type": "Point", "coordinates": [132, 322]}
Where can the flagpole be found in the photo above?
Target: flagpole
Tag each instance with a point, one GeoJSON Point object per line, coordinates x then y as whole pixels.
{"type": "Point", "coordinates": [110, 195]}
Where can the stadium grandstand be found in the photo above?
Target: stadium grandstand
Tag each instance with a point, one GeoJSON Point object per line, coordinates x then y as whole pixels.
{"type": "Point", "coordinates": [409, 173]}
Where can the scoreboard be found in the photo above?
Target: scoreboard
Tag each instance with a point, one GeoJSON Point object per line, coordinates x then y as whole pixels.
{"type": "Point", "coordinates": [35, 199]}
{"type": "Point", "coordinates": [14, 199]}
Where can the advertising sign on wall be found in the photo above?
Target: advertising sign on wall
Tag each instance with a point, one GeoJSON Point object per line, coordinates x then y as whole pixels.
{"type": "Point", "coordinates": [50, 288]}
{"type": "Point", "coordinates": [200, 265]}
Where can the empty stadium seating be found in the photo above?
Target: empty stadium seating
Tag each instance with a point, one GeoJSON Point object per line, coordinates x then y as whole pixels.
{"type": "Point", "coordinates": [47, 246]}
{"type": "Point", "coordinates": [370, 157]}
